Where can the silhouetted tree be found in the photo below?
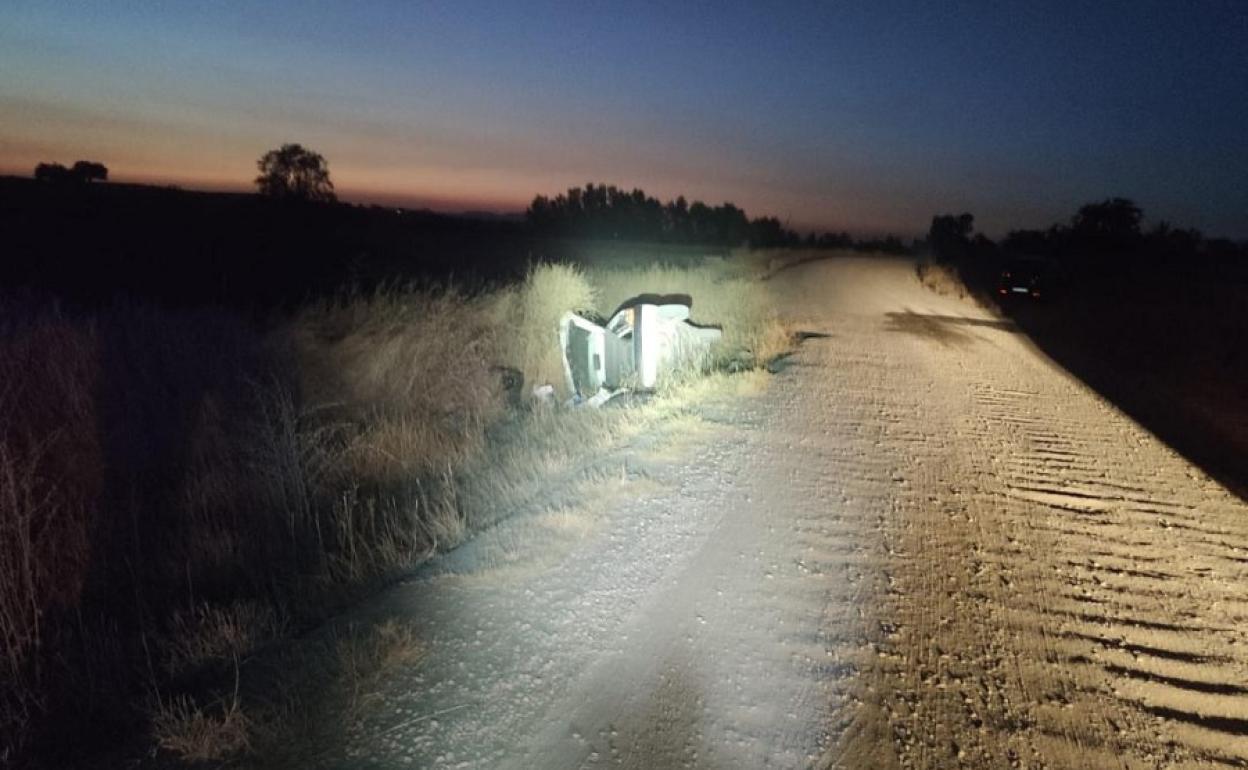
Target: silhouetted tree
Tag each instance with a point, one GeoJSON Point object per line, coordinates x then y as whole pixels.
{"type": "Point", "coordinates": [89, 171]}
{"type": "Point", "coordinates": [83, 171]}
{"type": "Point", "coordinates": [1113, 225]}
{"type": "Point", "coordinates": [1028, 243]}
{"type": "Point", "coordinates": [51, 172]}
{"type": "Point", "coordinates": [768, 232]}
{"type": "Point", "coordinates": [950, 236]}
{"type": "Point", "coordinates": [676, 219]}
{"type": "Point", "coordinates": [292, 172]}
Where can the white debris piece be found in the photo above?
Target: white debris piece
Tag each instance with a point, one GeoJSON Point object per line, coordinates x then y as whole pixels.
{"type": "Point", "coordinates": [646, 335]}
{"type": "Point", "coordinates": [544, 393]}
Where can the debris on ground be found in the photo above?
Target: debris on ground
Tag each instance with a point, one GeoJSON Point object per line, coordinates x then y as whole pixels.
{"type": "Point", "coordinates": [647, 335]}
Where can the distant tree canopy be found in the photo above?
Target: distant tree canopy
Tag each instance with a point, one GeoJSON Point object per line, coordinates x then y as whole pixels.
{"type": "Point", "coordinates": [607, 212]}
{"type": "Point", "coordinates": [610, 213]}
{"type": "Point", "coordinates": [90, 171]}
{"type": "Point", "coordinates": [1102, 235]}
{"type": "Point", "coordinates": [950, 236]}
{"type": "Point", "coordinates": [51, 172]}
{"type": "Point", "coordinates": [1110, 229]}
{"type": "Point", "coordinates": [293, 172]}
{"type": "Point", "coordinates": [1111, 225]}
{"type": "Point", "coordinates": [82, 171]}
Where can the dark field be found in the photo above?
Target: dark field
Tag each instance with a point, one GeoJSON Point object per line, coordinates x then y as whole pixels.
{"type": "Point", "coordinates": [1166, 345]}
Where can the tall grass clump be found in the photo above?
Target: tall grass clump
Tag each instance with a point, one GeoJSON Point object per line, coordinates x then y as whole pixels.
{"type": "Point", "coordinates": [528, 315]}
{"type": "Point", "coordinates": [401, 385]}
{"type": "Point", "coordinates": [180, 489]}
{"type": "Point", "coordinates": [50, 484]}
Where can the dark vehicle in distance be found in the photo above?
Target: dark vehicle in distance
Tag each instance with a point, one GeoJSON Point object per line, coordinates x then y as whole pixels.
{"type": "Point", "coordinates": [1029, 278]}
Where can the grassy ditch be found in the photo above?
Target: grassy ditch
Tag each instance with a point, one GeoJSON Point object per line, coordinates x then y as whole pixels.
{"type": "Point", "coordinates": [179, 490]}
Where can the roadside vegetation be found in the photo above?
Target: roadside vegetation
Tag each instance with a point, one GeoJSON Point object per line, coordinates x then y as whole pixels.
{"type": "Point", "coordinates": [182, 492]}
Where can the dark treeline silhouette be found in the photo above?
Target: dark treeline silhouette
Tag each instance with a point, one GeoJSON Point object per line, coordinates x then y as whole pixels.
{"type": "Point", "coordinates": [81, 172]}
{"type": "Point", "coordinates": [1113, 229]}
{"type": "Point", "coordinates": [1108, 234]}
{"type": "Point", "coordinates": [607, 212]}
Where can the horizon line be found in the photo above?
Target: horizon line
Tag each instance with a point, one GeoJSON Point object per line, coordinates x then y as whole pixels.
{"type": "Point", "coordinates": [444, 205]}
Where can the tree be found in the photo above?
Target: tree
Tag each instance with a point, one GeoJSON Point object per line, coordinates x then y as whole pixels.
{"type": "Point", "coordinates": [83, 171]}
{"type": "Point", "coordinates": [1109, 226]}
{"type": "Point", "coordinates": [770, 232]}
{"type": "Point", "coordinates": [89, 171]}
{"type": "Point", "coordinates": [1028, 243]}
{"type": "Point", "coordinates": [51, 172]}
{"type": "Point", "coordinates": [292, 172]}
{"type": "Point", "coordinates": [950, 236]}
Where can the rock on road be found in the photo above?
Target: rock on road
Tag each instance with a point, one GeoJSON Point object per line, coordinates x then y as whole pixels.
{"type": "Point", "coordinates": [923, 545]}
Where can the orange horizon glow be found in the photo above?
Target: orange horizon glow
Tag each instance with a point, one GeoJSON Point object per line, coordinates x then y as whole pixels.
{"type": "Point", "coordinates": [438, 190]}
{"type": "Point", "coordinates": [796, 115]}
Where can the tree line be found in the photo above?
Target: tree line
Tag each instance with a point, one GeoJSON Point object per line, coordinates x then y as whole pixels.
{"type": "Point", "coordinates": [293, 172]}
{"type": "Point", "coordinates": [607, 212]}
{"type": "Point", "coordinates": [1105, 233]}
{"type": "Point", "coordinates": [81, 172]}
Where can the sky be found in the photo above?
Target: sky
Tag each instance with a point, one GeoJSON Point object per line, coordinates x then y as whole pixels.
{"type": "Point", "coordinates": [869, 116]}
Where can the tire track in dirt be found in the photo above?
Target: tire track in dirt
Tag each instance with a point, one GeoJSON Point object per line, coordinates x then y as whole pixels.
{"type": "Point", "coordinates": [1078, 600]}
{"type": "Point", "coordinates": [1111, 549]}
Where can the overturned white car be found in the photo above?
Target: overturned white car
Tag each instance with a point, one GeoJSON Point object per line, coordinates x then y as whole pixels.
{"type": "Point", "coordinates": [648, 334]}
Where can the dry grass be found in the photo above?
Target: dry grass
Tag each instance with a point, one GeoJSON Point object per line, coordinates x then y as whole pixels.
{"type": "Point", "coordinates": [208, 634]}
{"type": "Point", "coordinates": [942, 279]}
{"type": "Point", "coordinates": [50, 481]}
{"type": "Point", "coordinates": [401, 352]}
{"type": "Point", "coordinates": [306, 695]}
{"type": "Point", "coordinates": [559, 519]}
{"type": "Point", "coordinates": [217, 488]}
{"type": "Point", "coordinates": [529, 317]}
{"type": "Point", "coordinates": [366, 656]}
{"type": "Point", "coordinates": [198, 734]}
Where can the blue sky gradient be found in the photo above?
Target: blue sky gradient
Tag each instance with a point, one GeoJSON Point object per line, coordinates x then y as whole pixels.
{"type": "Point", "coordinates": [867, 116]}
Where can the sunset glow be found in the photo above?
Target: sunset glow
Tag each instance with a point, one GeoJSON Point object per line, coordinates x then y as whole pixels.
{"type": "Point", "coordinates": [810, 115]}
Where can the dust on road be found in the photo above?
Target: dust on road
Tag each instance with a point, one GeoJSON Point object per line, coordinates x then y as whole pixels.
{"type": "Point", "coordinates": [923, 545]}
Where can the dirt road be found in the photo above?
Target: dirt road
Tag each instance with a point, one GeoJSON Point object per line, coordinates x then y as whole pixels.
{"type": "Point", "coordinates": [923, 545]}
